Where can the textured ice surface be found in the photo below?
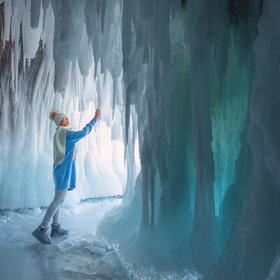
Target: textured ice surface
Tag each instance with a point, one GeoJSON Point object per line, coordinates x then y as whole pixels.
{"type": "Point", "coordinates": [81, 256]}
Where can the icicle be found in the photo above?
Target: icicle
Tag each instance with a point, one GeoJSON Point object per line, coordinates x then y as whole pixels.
{"type": "Point", "coordinates": [35, 13]}
{"type": "Point", "coordinates": [103, 10]}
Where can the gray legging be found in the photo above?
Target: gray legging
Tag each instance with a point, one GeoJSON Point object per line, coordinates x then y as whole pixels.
{"type": "Point", "coordinates": [53, 209]}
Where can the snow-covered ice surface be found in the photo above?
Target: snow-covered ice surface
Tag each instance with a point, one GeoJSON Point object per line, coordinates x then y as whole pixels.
{"type": "Point", "coordinates": [81, 256]}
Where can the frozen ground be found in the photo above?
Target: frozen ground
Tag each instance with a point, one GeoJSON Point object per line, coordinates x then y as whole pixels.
{"type": "Point", "coordinates": [81, 256]}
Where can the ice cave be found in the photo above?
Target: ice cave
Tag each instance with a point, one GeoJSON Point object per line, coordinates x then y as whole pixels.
{"type": "Point", "coordinates": [180, 176]}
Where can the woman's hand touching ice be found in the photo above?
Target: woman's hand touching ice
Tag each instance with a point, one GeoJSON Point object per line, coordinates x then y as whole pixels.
{"type": "Point", "coordinates": [97, 114]}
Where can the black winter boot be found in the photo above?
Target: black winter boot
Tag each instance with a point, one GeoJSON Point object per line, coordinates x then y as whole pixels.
{"type": "Point", "coordinates": [58, 231]}
{"type": "Point", "coordinates": [41, 234]}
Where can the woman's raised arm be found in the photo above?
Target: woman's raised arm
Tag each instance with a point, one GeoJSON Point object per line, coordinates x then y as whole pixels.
{"type": "Point", "coordinates": [75, 136]}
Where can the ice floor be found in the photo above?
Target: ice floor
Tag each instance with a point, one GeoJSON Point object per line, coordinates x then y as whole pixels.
{"type": "Point", "coordinates": [81, 256]}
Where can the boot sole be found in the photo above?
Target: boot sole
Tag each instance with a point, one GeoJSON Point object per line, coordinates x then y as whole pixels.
{"type": "Point", "coordinates": [40, 240]}
{"type": "Point", "coordinates": [58, 235]}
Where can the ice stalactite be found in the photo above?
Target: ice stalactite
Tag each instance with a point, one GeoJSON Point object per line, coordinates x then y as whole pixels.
{"type": "Point", "coordinates": [250, 252]}
{"type": "Point", "coordinates": [204, 211]}
{"type": "Point", "coordinates": [206, 137]}
{"type": "Point", "coordinates": [154, 60]}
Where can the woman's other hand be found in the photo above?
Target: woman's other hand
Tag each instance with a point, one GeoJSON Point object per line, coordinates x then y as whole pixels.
{"type": "Point", "coordinates": [97, 114]}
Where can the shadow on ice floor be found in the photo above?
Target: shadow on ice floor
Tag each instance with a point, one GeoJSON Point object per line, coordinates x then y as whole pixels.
{"type": "Point", "coordinates": [81, 256]}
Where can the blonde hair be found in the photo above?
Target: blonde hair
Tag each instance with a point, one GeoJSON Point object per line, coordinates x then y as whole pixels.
{"type": "Point", "coordinates": [53, 115]}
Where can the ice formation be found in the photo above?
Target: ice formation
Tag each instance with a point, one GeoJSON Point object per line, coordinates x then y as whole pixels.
{"type": "Point", "coordinates": [194, 84]}
{"type": "Point", "coordinates": [49, 64]}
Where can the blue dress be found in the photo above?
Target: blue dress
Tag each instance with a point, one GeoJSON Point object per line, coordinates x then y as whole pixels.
{"type": "Point", "coordinates": [64, 173]}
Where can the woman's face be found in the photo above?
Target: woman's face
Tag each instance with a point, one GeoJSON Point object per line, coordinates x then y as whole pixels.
{"type": "Point", "coordinates": [64, 122]}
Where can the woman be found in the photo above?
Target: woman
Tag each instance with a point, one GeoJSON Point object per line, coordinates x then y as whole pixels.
{"type": "Point", "coordinates": [64, 172]}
